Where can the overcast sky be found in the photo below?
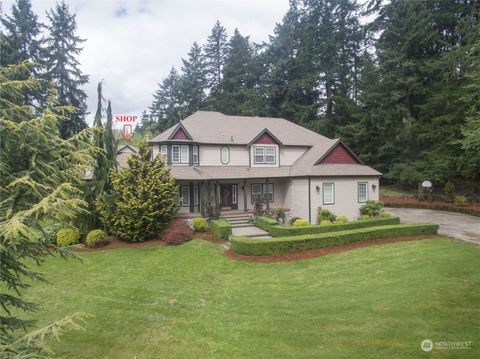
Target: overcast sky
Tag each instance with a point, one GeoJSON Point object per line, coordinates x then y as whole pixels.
{"type": "Point", "coordinates": [132, 45]}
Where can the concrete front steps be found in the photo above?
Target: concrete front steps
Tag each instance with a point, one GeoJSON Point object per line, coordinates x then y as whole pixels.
{"type": "Point", "coordinates": [242, 227]}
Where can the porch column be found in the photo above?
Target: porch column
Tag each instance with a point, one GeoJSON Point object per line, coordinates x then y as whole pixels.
{"type": "Point", "coordinates": [266, 194]}
{"type": "Point", "coordinates": [244, 195]}
{"type": "Point", "coordinates": [192, 205]}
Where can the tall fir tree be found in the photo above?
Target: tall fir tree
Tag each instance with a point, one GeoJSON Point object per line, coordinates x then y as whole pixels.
{"type": "Point", "coordinates": [63, 68]}
{"type": "Point", "coordinates": [215, 50]}
{"type": "Point", "coordinates": [193, 81]}
{"type": "Point", "coordinates": [167, 106]}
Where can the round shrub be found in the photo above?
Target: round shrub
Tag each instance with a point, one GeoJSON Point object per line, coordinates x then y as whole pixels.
{"type": "Point", "coordinates": [177, 232]}
{"type": "Point", "coordinates": [371, 208]}
{"type": "Point", "coordinates": [342, 219]}
{"type": "Point", "coordinates": [301, 223]}
{"type": "Point", "coordinates": [460, 200]}
{"type": "Point", "coordinates": [96, 238]}
{"type": "Point", "coordinates": [325, 222]}
{"type": "Point", "coordinates": [326, 214]}
{"type": "Point", "coordinates": [364, 217]}
{"type": "Point", "coordinates": [200, 224]}
{"type": "Point", "coordinates": [292, 220]}
{"type": "Point", "coordinates": [386, 214]}
{"type": "Point", "coordinates": [67, 236]}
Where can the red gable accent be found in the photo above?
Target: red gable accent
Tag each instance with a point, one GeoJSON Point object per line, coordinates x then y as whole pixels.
{"type": "Point", "coordinates": [340, 155]}
{"type": "Point", "coordinates": [266, 139]}
{"type": "Point", "coordinates": [180, 135]}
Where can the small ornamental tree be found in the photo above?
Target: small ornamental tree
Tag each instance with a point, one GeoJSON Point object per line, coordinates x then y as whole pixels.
{"type": "Point", "coordinates": [144, 199]}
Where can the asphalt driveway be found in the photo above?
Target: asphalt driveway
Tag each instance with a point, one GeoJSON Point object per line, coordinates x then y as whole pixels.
{"type": "Point", "coordinates": [452, 224]}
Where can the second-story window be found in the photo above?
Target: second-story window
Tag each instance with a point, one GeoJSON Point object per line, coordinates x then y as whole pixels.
{"type": "Point", "coordinates": [179, 154]}
{"type": "Point", "coordinates": [225, 155]}
{"type": "Point", "coordinates": [265, 154]}
{"type": "Point", "coordinates": [195, 155]}
{"type": "Point", "coordinates": [163, 151]}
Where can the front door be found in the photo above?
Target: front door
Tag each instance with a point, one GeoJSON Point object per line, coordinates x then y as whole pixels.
{"type": "Point", "coordinates": [226, 195]}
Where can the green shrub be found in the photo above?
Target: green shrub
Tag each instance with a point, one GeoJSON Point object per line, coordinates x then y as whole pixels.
{"type": "Point", "coordinates": [301, 223]}
{"type": "Point", "coordinates": [342, 219]}
{"type": "Point", "coordinates": [67, 236]}
{"type": "Point", "coordinates": [221, 228]}
{"type": "Point", "coordinates": [371, 208]}
{"type": "Point", "coordinates": [96, 238]}
{"type": "Point", "coordinates": [281, 231]}
{"type": "Point", "coordinates": [460, 200]}
{"type": "Point", "coordinates": [365, 217]}
{"type": "Point", "coordinates": [265, 223]}
{"type": "Point", "coordinates": [144, 199]}
{"type": "Point", "coordinates": [325, 214]}
{"type": "Point", "coordinates": [448, 191]}
{"type": "Point", "coordinates": [280, 215]}
{"type": "Point", "coordinates": [200, 224]}
{"type": "Point", "coordinates": [325, 222]}
{"type": "Point", "coordinates": [272, 246]}
{"type": "Point", "coordinates": [292, 220]}
{"type": "Point", "coordinates": [385, 214]}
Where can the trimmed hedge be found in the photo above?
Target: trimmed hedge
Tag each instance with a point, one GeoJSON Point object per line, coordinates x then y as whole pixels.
{"type": "Point", "coordinates": [271, 246]}
{"type": "Point", "coordinates": [221, 228]}
{"type": "Point", "coordinates": [275, 230]}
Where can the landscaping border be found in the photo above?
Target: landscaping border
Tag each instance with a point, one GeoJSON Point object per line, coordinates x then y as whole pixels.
{"type": "Point", "coordinates": [276, 230]}
{"type": "Point", "coordinates": [271, 246]}
{"type": "Point", "coordinates": [221, 228]}
{"type": "Point", "coordinates": [440, 207]}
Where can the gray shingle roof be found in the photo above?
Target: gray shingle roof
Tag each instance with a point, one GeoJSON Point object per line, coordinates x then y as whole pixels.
{"type": "Point", "coordinates": [217, 128]}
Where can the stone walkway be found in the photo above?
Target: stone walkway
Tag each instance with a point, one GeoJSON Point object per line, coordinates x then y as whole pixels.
{"type": "Point", "coordinates": [242, 227]}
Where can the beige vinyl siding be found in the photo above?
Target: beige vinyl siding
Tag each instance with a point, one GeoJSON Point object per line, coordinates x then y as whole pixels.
{"type": "Point", "coordinates": [252, 157]}
{"type": "Point", "coordinates": [289, 154]}
{"type": "Point", "coordinates": [296, 198]}
{"type": "Point", "coordinates": [210, 155]}
{"type": "Point", "coordinates": [346, 195]}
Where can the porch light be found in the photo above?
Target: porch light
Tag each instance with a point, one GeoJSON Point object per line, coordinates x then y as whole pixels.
{"type": "Point", "coordinates": [374, 187]}
{"type": "Point", "coordinates": [317, 188]}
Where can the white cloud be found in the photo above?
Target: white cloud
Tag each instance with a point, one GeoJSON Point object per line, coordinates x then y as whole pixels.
{"type": "Point", "coordinates": [131, 45]}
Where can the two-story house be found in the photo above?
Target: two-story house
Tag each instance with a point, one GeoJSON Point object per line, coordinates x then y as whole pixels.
{"type": "Point", "coordinates": [232, 158]}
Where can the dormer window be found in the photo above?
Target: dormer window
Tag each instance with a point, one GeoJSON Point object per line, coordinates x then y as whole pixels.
{"type": "Point", "coordinates": [264, 154]}
{"type": "Point", "coordinates": [163, 151]}
{"type": "Point", "coordinates": [225, 155]}
{"type": "Point", "coordinates": [195, 155]}
{"type": "Point", "coordinates": [180, 154]}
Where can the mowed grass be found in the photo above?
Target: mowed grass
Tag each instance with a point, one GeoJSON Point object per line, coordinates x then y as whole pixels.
{"type": "Point", "coordinates": [191, 301]}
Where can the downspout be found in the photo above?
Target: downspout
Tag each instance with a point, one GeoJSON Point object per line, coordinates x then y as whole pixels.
{"type": "Point", "coordinates": [309, 201]}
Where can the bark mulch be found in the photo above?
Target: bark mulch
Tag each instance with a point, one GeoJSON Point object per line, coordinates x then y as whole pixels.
{"type": "Point", "coordinates": [116, 243]}
{"type": "Point", "coordinates": [472, 208]}
{"type": "Point", "coordinates": [314, 253]}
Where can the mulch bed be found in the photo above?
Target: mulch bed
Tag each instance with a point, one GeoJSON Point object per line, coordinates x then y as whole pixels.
{"type": "Point", "coordinates": [314, 253]}
{"type": "Point", "coordinates": [116, 243]}
{"type": "Point", "coordinates": [472, 208]}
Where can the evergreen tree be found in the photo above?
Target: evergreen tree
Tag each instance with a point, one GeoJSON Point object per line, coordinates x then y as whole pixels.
{"type": "Point", "coordinates": [40, 180]}
{"type": "Point", "coordinates": [167, 107]}
{"type": "Point", "coordinates": [110, 143]}
{"type": "Point", "coordinates": [193, 81]}
{"type": "Point", "coordinates": [240, 79]}
{"type": "Point", "coordinates": [63, 68]}
{"type": "Point", "coordinates": [215, 51]}
{"type": "Point", "coordinates": [21, 41]}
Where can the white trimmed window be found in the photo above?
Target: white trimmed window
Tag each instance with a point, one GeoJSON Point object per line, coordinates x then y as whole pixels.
{"type": "Point", "coordinates": [257, 189]}
{"type": "Point", "coordinates": [362, 192]}
{"type": "Point", "coordinates": [264, 154]}
{"type": "Point", "coordinates": [195, 155]}
{"type": "Point", "coordinates": [263, 189]}
{"type": "Point", "coordinates": [175, 154]}
{"type": "Point", "coordinates": [185, 195]}
{"type": "Point", "coordinates": [225, 155]}
{"type": "Point", "coordinates": [184, 154]}
{"type": "Point", "coordinates": [234, 194]}
{"type": "Point", "coordinates": [268, 190]}
{"type": "Point", "coordinates": [163, 151]}
{"type": "Point", "coordinates": [328, 193]}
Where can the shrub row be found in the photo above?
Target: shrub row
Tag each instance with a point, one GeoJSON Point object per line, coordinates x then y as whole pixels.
{"type": "Point", "coordinates": [271, 246]}
{"type": "Point", "coordinates": [221, 228]}
{"type": "Point", "coordinates": [275, 230]}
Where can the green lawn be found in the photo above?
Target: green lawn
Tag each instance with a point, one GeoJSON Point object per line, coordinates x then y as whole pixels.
{"type": "Point", "coordinates": [191, 301]}
{"type": "Point", "coordinates": [396, 191]}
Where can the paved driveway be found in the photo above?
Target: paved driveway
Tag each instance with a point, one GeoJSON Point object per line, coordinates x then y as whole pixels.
{"type": "Point", "coordinates": [452, 224]}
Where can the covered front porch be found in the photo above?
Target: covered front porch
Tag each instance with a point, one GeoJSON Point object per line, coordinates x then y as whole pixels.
{"type": "Point", "coordinates": [233, 196]}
